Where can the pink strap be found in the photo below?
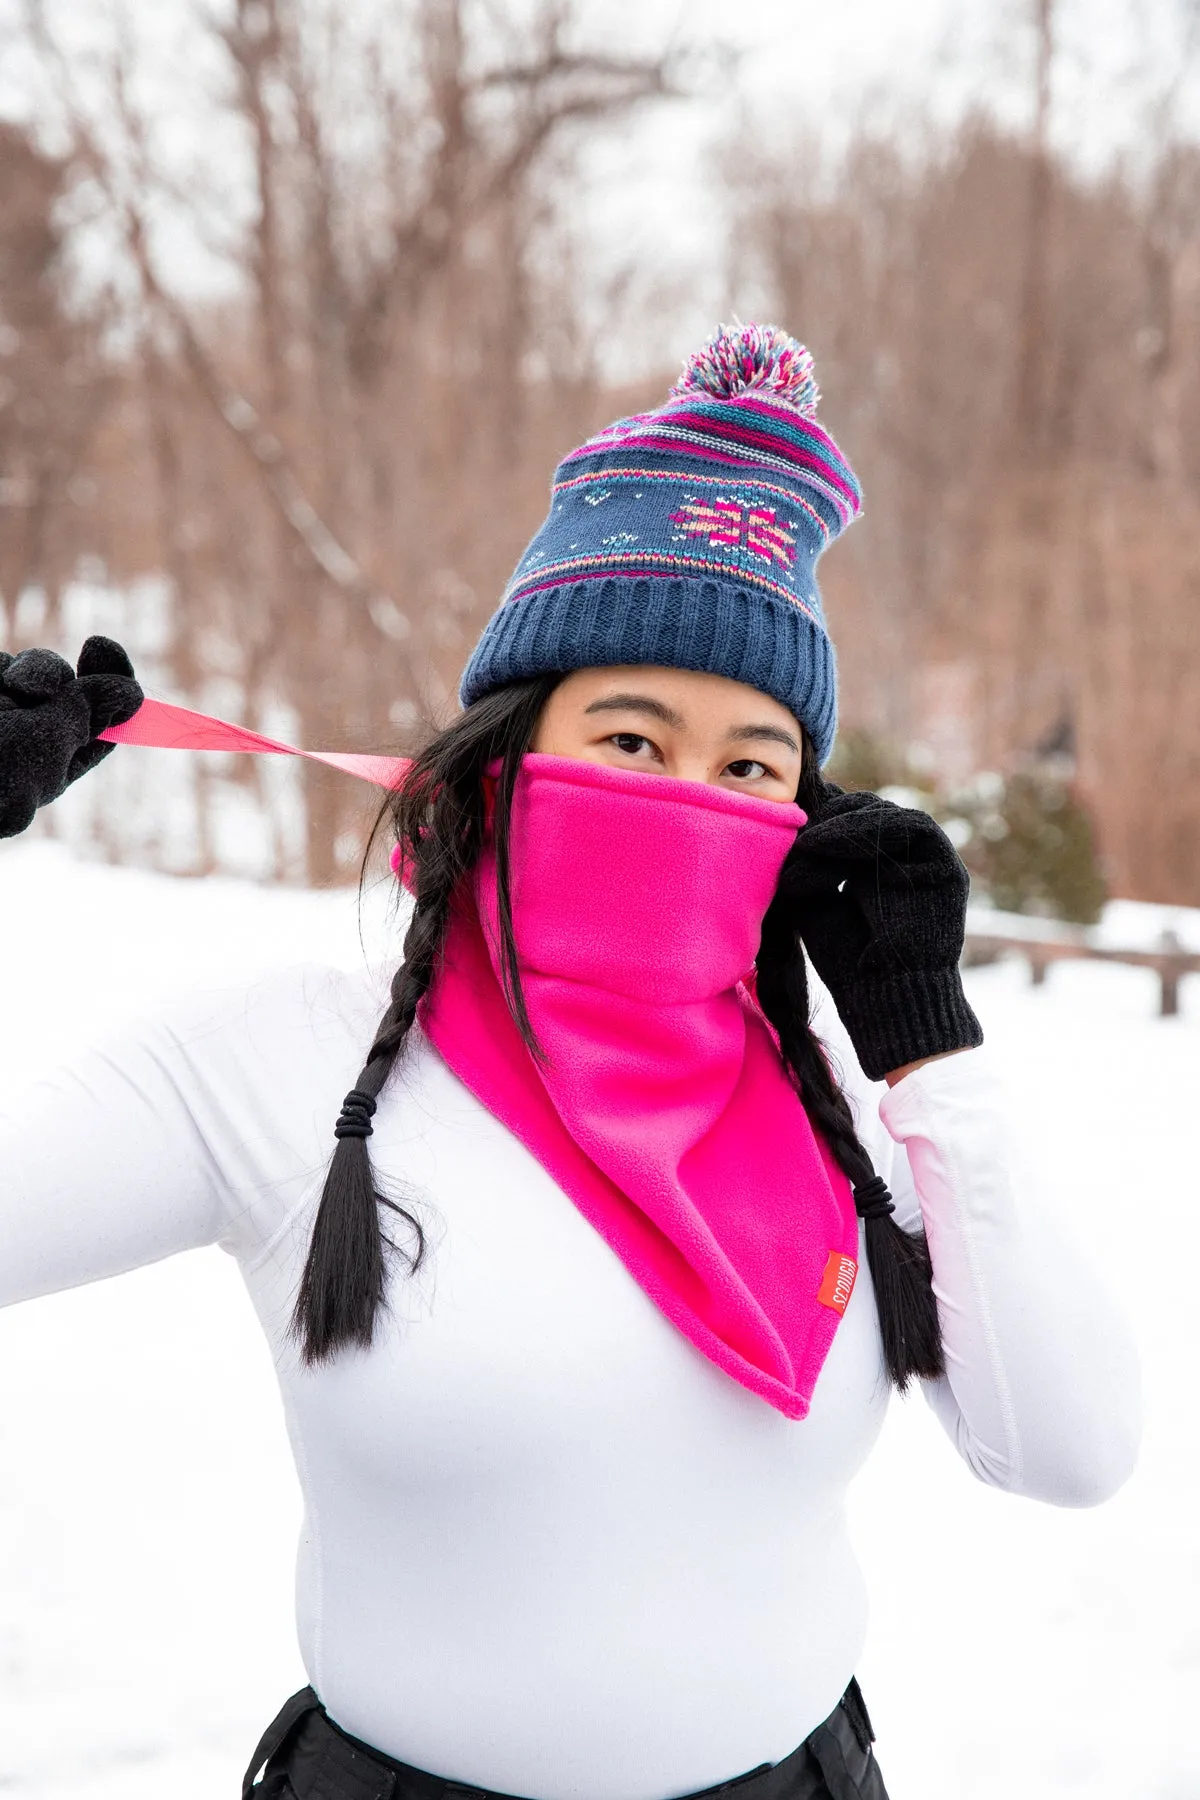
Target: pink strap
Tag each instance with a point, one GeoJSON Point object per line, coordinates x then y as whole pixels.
{"type": "Point", "coordinates": [162, 726]}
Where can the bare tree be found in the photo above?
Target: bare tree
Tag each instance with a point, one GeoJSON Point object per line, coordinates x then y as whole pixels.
{"type": "Point", "coordinates": [1028, 431]}
{"type": "Point", "coordinates": [54, 387]}
{"type": "Point", "coordinates": [368, 416]}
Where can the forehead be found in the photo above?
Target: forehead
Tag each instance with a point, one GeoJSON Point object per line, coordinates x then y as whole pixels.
{"type": "Point", "coordinates": [699, 696]}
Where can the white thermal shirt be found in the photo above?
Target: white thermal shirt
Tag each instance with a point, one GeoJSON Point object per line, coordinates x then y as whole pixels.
{"type": "Point", "coordinates": [548, 1547]}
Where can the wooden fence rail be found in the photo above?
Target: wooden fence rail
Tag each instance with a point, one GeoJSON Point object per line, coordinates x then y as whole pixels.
{"type": "Point", "coordinates": [1169, 958]}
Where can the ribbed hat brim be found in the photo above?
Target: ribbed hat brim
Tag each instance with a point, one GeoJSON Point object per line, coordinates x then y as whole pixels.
{"type": "Point", "coordinates": [713, 627]}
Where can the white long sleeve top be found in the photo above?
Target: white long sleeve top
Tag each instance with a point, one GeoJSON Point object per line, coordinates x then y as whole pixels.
{"type": "Point", "coordinates": [548, 1548]}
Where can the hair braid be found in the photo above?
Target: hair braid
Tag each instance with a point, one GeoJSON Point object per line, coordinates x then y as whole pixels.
{"type": "Point", "coordinates": [901, 1271]}
{"type": "Point", "coordinates": [783, 994]}
{"type": "Point", "coordinates": [344, 1277]}
{"type": "Point", "coordinates": [439, 814]}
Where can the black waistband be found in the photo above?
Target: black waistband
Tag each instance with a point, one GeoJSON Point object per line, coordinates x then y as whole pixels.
{"type": "Point", "coordinates": [323, 1762]}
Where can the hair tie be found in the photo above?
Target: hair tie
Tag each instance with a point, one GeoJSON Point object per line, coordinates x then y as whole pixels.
{"type": "Point", "coordinates": [873, 1200]}
{"type": "Point", "coordinates": [354, 1120]}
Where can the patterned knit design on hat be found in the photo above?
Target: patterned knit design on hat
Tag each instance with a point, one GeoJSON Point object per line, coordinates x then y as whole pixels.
{"type": "Point", "coordinates": [689, 537]}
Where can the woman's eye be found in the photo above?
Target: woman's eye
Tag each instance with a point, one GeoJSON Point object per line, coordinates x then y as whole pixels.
{"type": "Point", "coordinates": [746, 769]}
{"type": "Point", "coordinates": [630, 743]}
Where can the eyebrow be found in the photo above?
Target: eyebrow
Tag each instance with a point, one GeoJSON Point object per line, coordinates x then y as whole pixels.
{"type": "Point", "coordinates": [774, 734]}
{"type": "Point", "coordinates": [655, 709]}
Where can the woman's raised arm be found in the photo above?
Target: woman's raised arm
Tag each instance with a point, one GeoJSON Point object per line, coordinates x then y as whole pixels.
{"type": "Point", "coordinates": [1041, 1394]}
{"type": "Point", "coordinates": [170, 1135]}
{"type": "Point", "coordinates": [103, 1167]}
{"type": "Point", "coordinates": [209, 1124]}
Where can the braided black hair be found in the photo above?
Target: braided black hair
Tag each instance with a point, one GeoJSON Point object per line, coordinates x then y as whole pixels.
{"type": "Point", "coordinates": [439, 821]}
{"type": "Point", "coordinates": [901, 1272]}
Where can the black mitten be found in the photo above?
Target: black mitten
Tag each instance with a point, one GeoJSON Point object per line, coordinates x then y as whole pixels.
{"type": "Point", "coordinates": [878, 895]}
{"type": "Point", "coordinates": [50, 719]}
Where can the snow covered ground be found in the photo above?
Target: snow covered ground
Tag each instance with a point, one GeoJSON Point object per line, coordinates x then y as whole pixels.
{"type": "Point", "coordinates": [148, 1509]}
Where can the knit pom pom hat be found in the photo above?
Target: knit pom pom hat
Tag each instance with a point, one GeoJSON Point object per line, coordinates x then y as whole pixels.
{"type": "Point", "coordinates": [689, 537]}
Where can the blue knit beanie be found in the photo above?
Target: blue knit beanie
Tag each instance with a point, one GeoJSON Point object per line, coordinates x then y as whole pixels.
{"type": "Point", "coordinates": [688, 537]}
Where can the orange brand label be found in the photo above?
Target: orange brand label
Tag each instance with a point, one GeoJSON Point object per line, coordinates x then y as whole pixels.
{"type": "Point", "coordinates": [837, 1283]}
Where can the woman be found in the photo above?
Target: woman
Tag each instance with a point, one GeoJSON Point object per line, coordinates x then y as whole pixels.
{"type": "Point", "coordinates": [575, 1430]}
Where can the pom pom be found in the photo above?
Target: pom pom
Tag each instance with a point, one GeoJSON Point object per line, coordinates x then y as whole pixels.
{"type": "Point", "coordinates": [741, 359]}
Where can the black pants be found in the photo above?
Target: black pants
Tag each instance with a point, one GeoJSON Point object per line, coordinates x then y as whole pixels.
{"type": "Point", "coordinates": [308, 1757]}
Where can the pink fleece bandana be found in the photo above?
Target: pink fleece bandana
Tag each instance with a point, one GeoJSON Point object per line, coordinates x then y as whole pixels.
{"type": "Point", "coordinates": [662, 1109]}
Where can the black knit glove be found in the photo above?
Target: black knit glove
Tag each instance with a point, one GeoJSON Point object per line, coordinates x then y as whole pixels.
{"type": "Point", "coordinates": [878, 895]}
{"type": "Point", "coordinates": [50, 718]}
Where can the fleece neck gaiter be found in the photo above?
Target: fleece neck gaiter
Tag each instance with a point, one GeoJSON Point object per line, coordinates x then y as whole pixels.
{"type": "Point", "coordinates": [659, 1102]}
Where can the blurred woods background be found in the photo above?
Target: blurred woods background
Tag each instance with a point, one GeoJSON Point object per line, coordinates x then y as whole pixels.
{"type": "Point", "coordinates": [297, 498]}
